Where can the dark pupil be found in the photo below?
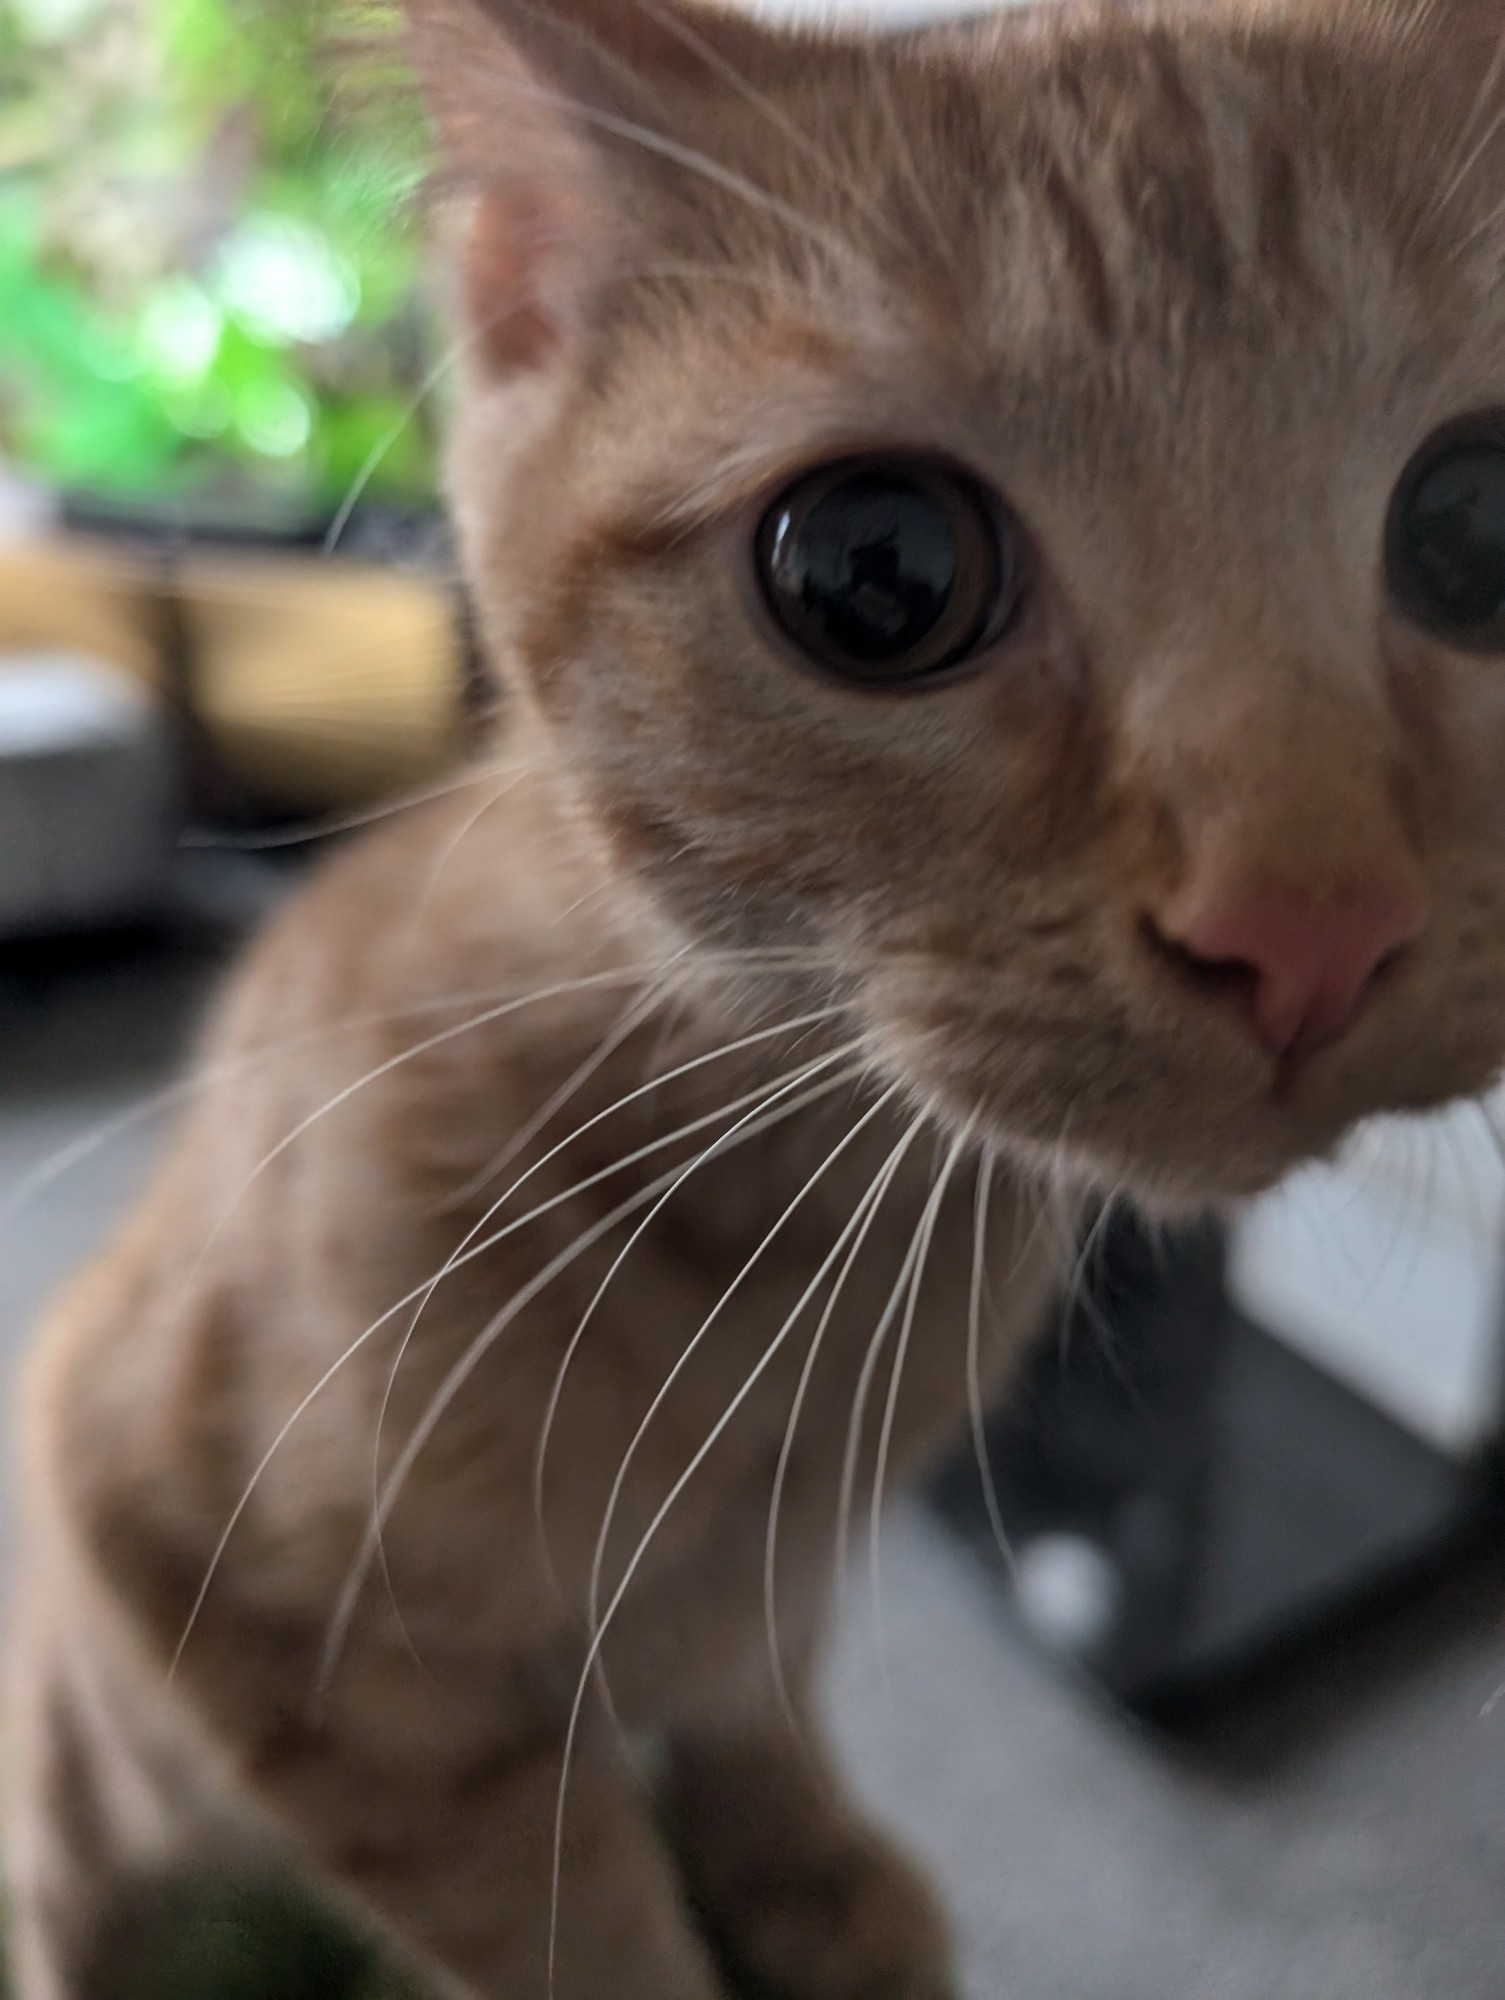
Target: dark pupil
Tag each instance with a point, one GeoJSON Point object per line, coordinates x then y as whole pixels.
{"type": "Point", "coordinates": [872, 566]}
{"type": "Point", "coordinates": [1456, 536]}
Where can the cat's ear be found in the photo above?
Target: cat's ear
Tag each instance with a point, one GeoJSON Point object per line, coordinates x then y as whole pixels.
{"type": "Point", "coordinates": [551, 113]}
{"type": "Point", "coordinates": [606, 56]}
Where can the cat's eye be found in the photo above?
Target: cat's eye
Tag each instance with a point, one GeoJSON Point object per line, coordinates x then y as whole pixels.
{"type": "Point", "coordinates": [888, 571]}
{"type": "Point", "coordinates": [1445, 551]}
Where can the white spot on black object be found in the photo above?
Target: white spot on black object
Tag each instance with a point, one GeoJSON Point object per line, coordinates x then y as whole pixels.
{"type": "Point", "coordinates": [1070, 1593]}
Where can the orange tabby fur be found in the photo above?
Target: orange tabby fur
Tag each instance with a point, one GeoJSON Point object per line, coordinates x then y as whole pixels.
{"type": "Point", "coordinates": [1189, 284]}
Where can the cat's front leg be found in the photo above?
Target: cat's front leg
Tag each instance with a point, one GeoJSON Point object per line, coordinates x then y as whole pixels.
{"type": "Point", "coordinates": [808, 1900]}
{"type": "Point", "coordinates": [95, 1826]}
{"type": "Point", "coordinates": [458, 1866]}
{"type": "Point", "coordinates": [73, 1888]}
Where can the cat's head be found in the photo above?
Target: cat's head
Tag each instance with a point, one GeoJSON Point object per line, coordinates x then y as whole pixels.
{"type": "Point", "coordinates": [1019, 508]}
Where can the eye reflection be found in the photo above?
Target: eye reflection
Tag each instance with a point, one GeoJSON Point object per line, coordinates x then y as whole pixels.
{"type": "Point", "coordinates": [887, 572]}
{"type": "Point", "coordinates": [1446, 541]}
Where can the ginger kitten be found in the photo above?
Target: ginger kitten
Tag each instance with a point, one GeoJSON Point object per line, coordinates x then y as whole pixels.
{"type": "Point", "coordinates": [994, 538]}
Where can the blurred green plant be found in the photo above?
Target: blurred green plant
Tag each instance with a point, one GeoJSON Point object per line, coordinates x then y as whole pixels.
{"type": "Point", "coordinates": [208, 273]}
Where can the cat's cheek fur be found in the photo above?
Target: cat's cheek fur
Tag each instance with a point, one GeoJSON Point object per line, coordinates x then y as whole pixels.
{"type": "Point", "coordinates": [961, 860]}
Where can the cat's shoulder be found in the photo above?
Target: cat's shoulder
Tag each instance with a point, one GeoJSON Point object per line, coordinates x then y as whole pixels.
{"type": "Point", "coordinates": [458, 939]}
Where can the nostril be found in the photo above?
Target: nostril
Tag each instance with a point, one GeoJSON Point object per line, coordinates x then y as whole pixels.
{"type": "Point", "coordinates": [1227, 979]}
{"type": "Point", "coordinates": [1392, 960]}
{"type": "Point", "coordinates": [1299, 968]}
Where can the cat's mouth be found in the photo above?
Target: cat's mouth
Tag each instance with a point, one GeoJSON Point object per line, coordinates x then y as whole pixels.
{"type": "Point", "coordinates": [1177, 1120]}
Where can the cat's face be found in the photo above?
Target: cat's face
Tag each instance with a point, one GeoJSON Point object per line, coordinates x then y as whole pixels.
{"type": "Point", "coordinates": [1023, 513]}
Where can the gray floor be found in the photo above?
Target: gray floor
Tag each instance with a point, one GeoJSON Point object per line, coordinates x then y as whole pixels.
{"type": "Point", "coordinates": [1339, 1836]}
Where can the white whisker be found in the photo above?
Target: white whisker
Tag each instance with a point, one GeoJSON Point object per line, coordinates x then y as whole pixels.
{"type": "Point", "coordinates": [572, 1348]}
{"type": "Point", "coordinates": [632, 1018]}
{"type": "Point", "coordinates": [588, 983]}
{"type": "Point", "coordinates": [369, 1333]}
{"type": "Point", "coordinates": [476, 1352]}
{"type": "Point", "coordinates": [688, 1353]}
{"type": "Point", "coordinates": [938, 230]}
{"type": "Point", "coordinates": [305, 832]}
{"type": "Point", "coordinates": [924, 1237]}
{"type": "Point", "coordinates": [408, 414]}
{"type": "Point", "coordinates": [1468, 156]}
{"type": "Point", "coordinates": [814, 1018]}
{"type": "Point", "coordinates": [777, 117]}
{"type": "Point", "coordinates": [611, 1111]}
{"type": "Point", "coordinates": [694, 162]}
{"type": "Point", "coordinates": [454, 843]}
{"type": "Point", "coordinates": [204, 1078]}
{"type": "Point", "coordinates": [862, 1221]}
{"type": "Point", "coordinates": [451, 357]}
{"type": "Point", "coordinates": [863, 1390]}
{"type": "Point", "coordinates": [975, 1411]}
{"type": "Point", "coordinates": [601, 1625]}
{"type": "Point", "coordinates": [1083, 1287]}
{"type": "Point", "coordinates": [76, 1151]}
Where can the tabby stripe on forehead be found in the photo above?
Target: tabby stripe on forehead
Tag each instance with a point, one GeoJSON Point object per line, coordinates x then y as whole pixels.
{"type": "Point", "coordinates": [1083, 251]}
{"type": "Point", "coordinates": [1182, 207]}
{"type": "Point", "coordinates": [1279, 245]}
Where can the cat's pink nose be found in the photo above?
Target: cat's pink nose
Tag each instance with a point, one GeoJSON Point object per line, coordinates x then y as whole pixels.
{"type": "Point", "coordinates": [1301, 967]}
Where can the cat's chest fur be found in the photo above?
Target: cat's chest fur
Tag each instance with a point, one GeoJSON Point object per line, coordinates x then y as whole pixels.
{"type": "Point", "coordinates": [474, 1237]}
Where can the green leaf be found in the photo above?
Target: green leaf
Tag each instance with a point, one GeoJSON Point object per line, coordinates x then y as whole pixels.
{"type": "Point", "coordinates": [229, 113]}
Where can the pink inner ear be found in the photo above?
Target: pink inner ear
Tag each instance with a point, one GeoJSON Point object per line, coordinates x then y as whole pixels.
{"type": "Point", "coordinates": [510, 268]}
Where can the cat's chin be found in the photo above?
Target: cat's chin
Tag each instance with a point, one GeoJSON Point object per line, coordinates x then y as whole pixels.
{"type": "Point", "coordinates": [1165, 1190]}
{"type": "Point", "coordinates": [1174, 1154]}
{"type": "Point", "coordinates": [1186, 1173]}
{"type": "Point", "coordinates": [1176, 1127]}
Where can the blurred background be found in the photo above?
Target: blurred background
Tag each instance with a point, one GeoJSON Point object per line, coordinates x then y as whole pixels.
{"type": "Point", "coordinates": [207, 266]}
{"type": "Point", "coordinates": [1226, 1724]}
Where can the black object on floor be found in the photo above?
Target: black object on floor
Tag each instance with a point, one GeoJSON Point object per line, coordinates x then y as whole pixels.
{"type": "Point", "coordinates": [1183, 1494]}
